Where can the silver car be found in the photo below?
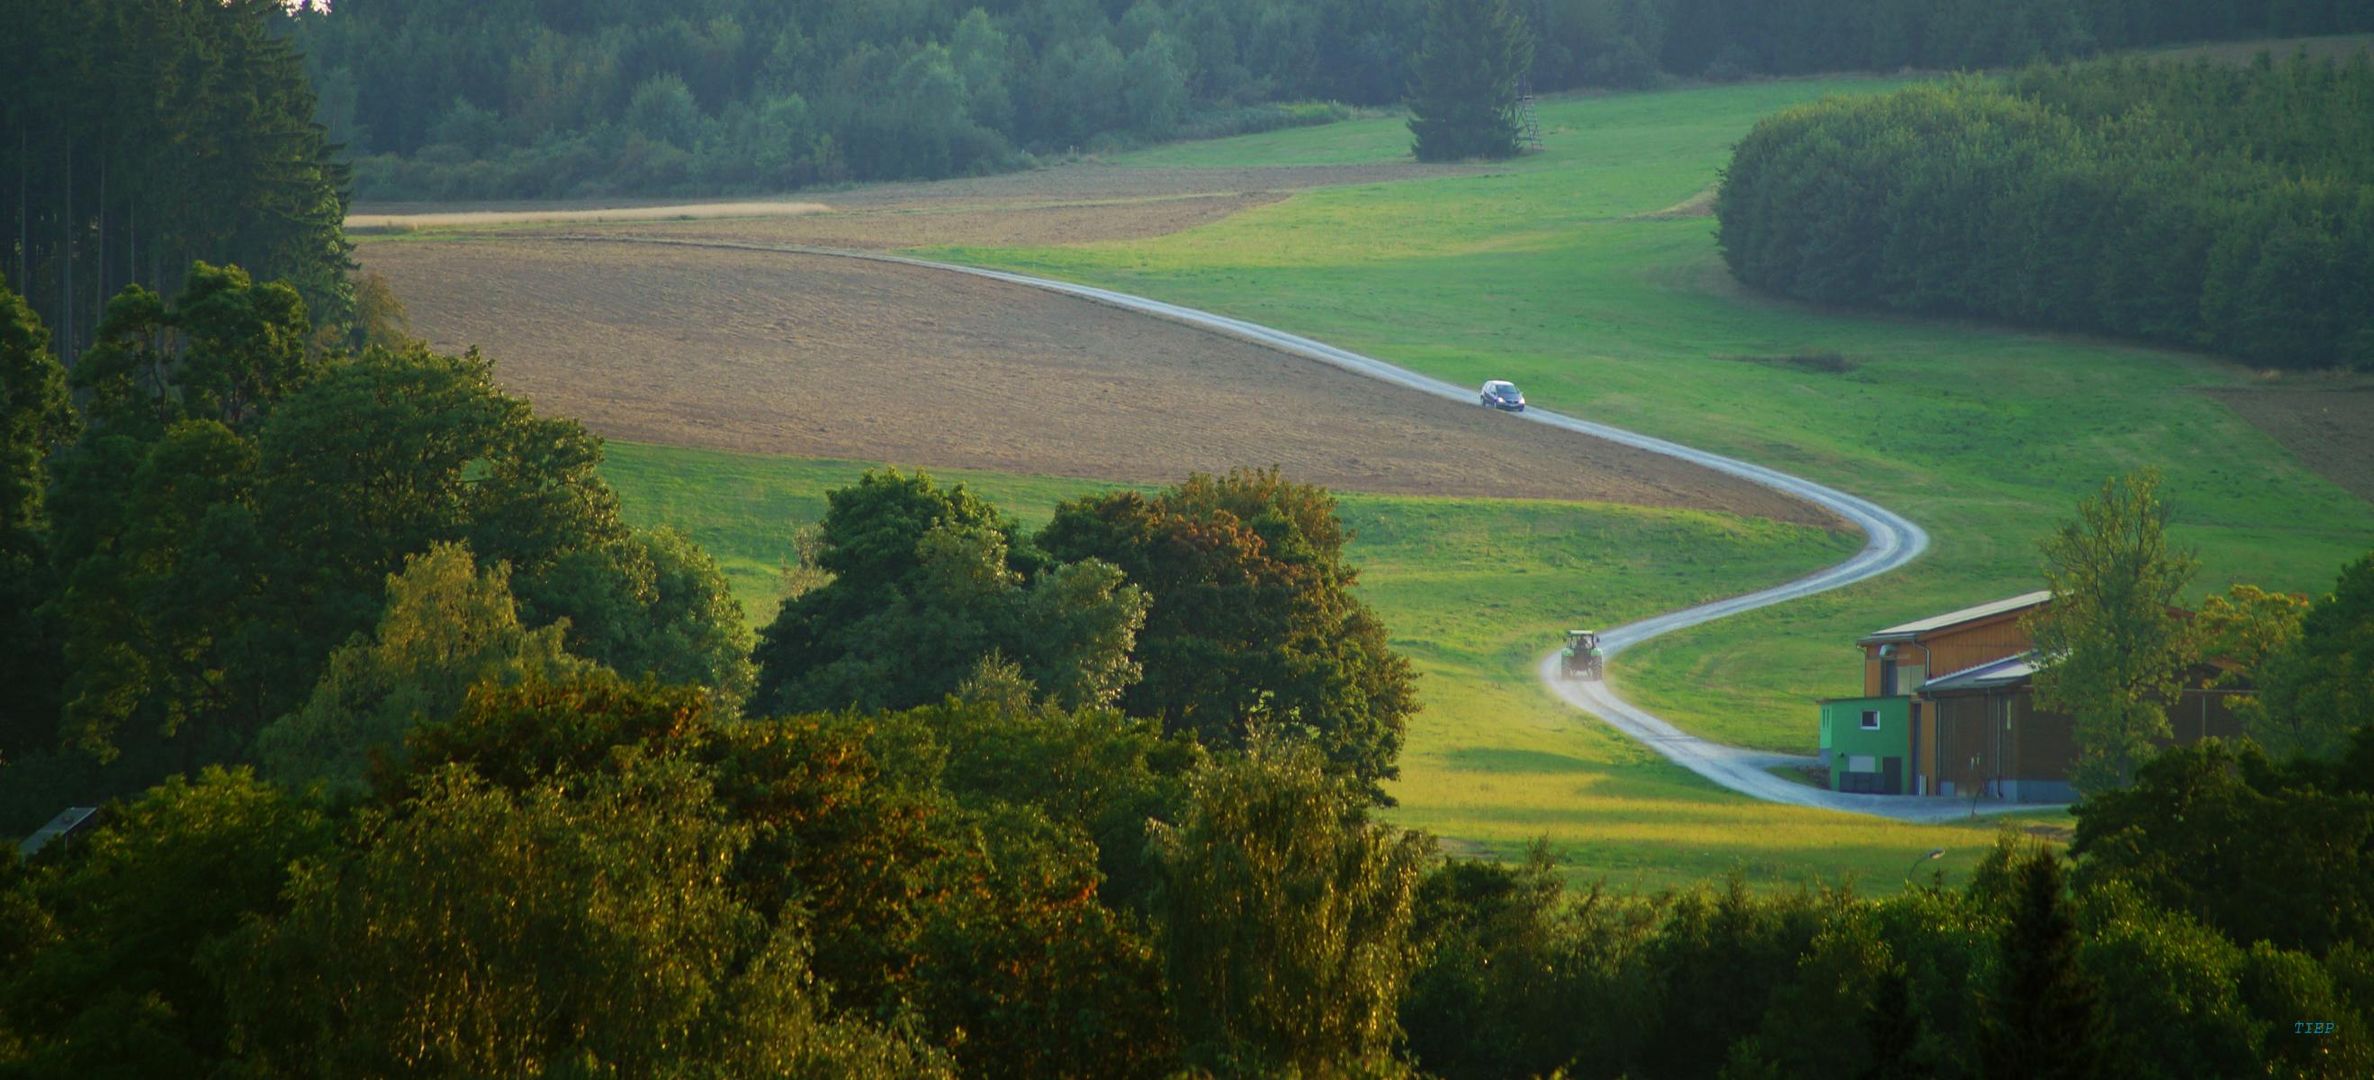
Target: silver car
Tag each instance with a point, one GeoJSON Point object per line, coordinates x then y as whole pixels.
{"type": "Point", "coordinates": [1501, 394]}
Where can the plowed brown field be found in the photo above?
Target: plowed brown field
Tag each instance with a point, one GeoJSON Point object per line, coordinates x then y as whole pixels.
{"type": "Point", "coordinates": [819, 356]}
{"type": "Point", "coordinates": [2329, 425]}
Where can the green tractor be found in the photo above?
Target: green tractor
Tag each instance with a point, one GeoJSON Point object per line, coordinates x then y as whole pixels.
{"type": "Point", "coordinates": [1581, 659]}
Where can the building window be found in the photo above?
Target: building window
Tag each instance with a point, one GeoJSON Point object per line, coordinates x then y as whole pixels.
{"type": "Point", "coordinates": [1862, 763]}
{"type": "Point", "coordinates": [1871, 719]}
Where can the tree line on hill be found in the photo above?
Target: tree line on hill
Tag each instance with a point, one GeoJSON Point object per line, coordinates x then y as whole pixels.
{"type": "Point", "coordinates": [456, 99]}
{"type": "Point", "coordinates": [2197, 204]}
{"type": "Point", "coordinates": [1722, 38]}
{"type": "Point", "coordinates": [429, 764]}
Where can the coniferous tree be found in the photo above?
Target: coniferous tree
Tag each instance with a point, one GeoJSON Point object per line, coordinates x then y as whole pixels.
{"type": "Point", "coordinates": [1463, 103]}
{"type": "Point", "coordinates": [140, 136]}
{"type": "Point", "coordinates": [2320, 687]}
{"type": "Point", "coordinates": [1893, 1028]}
{"type": "Point", "coordinates": [35, 417]}
{"type": "Point", "coordinates": [2042, 1018]}
{"type": "Point", "coordinates": [2189, 203]}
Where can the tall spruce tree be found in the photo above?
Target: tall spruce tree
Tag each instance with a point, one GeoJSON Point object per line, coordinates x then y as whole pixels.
{"type": "Point", "coordinates": [2320, 686]}
{"type": "Point", "coordinates": [1893, 1029]}
{"type": "Point", "coordinates": [35, 416]}
{"type": "Point", "coordinates": [139, 136]}
{"type": "Point", "coordinates": [2043, 1018]}
{"type": "Point", "coordinates": [1464, 101]}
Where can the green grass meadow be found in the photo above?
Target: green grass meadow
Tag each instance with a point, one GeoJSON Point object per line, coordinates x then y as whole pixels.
{"type": "Point", "coordinates": [1562, 271]}
{"type": "Point", "coordinates": [1557, 271]}
{"type": "Point", "coordinates": [1474, 590]}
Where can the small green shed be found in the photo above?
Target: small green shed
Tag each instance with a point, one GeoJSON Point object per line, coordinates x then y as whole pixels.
{"type": "Point", "coordinates": [1867, 742]}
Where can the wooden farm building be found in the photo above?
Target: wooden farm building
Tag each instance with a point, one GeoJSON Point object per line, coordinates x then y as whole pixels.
{"type": "Point", "coordinates": [1948, 709]}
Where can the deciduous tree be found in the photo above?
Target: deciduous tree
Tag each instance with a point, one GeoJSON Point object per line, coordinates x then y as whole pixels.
{"type": "Point", "coordinates": [2114, 647]}
{"type": "Point", "coordinates": [447, 628]}
{"type": "Point", "coordinates": [35, 418]}
{"type": "Point", "coordinates": [1252, 614]}
{"type": "Point", "coordinates": [585, 923]}
{"type": "Point", "coordinates": [1286, 917]}
{"type": "Point", "coordinates": [2171, 837]}
{"type": "Point", "coordinates": [926, 583]}
{"type": "Point", "coordinates": [151, 905]}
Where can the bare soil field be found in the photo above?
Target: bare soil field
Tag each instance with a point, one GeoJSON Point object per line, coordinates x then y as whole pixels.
{"type": "Point", "coordinates": [432, 219]}
{"type": "Point", "coordinates": [1066, 204]}
{"type": "Point", "coordinates": [2329, 428]}
{"type": "Point", "coordinates": [936, 223]}
{"type": "Point", "coordinates": [816, 356]}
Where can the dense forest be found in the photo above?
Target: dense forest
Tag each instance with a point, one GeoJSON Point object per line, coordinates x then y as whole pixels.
{"type": "Point", "coordinates": [429, 765]}
{"type": "Point", "coordinates": [462, 777]}
{"type": "Point", "coordinates": [467, 98]}
{"type": "Point", "coordinates": [139, 135]}
{"type": "Point", "coordinates": [2199, 204]}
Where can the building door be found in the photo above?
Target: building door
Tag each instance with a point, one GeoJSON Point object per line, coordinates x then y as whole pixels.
{"type": "Point", "coordinates": [1913, 751]}
{"type": "Point", "coordinates": [2002, 766]}
{"type": "Point", "coordinates": [1891, 776]}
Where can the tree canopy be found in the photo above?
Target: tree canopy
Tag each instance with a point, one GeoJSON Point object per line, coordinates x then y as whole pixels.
{"type": "Point", "coordinates": [1252, 618]}
{"type": "Point", "coordinates": [226, 507]}
{"type": "Point", "coordinates": [926, 584]}
{"type": "Point", "coordinates": [514, 99]}
{"type": "Point", "coordinates": [36, 416]}
{"type": "Point", "coordinates": [2318, 688]}
{"type": "Point", "coordinates": [141, 136]}
{"type": "Point", "coordinates": [2197, 204]}
{"type": "Point", "coordinates": [447, 628]}
{"type": "Point", "coordinates": [1463, 99]}
{"type": "Point", "coordinates": [1287, 917]}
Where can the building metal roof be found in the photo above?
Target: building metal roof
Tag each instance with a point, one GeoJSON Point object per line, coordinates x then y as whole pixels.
{"type": "Point", "coordinates": [67, 821]}
{"type": "Point", "coordinates": [2009, 671]}
{"type": "Point", "coordinates": [1910, 630]}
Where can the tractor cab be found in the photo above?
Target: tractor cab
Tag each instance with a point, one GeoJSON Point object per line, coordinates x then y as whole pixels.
{"type": "Point", "coordinates": [1580, 658]}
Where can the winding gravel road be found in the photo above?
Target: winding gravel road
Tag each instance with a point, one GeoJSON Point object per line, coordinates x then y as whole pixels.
{"type": "Point", "coordinates": [1893, 541]}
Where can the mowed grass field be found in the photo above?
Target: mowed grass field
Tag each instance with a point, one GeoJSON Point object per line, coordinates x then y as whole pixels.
{"type": "Point", "coordinates": [1472, 589]}
{"type": "Point", "coordinates": [1568, 273]}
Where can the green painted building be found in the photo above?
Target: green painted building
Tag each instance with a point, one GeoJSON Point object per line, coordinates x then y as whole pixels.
{"type": "Point", "coordinates": [1867, 743]}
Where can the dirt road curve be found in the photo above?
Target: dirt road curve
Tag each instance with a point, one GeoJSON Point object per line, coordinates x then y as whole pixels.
{"type": "Point", "coordinates": [1893, 542]}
